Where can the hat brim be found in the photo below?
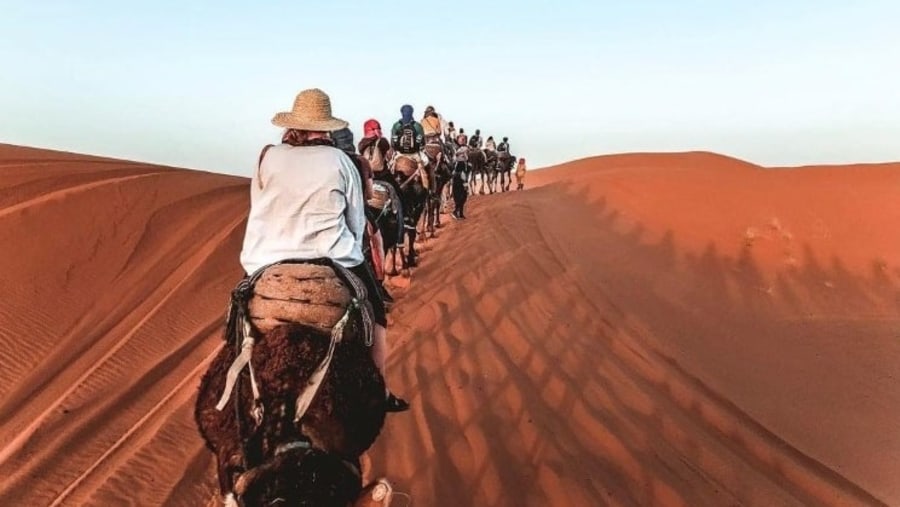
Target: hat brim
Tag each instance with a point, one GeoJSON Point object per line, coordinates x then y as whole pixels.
{"type": "Point", "coordinates": [290, 121]}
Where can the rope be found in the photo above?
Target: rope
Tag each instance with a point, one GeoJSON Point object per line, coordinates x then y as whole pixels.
{"type": "Point", "coordinates": [241, 361]}
{"type": "Point", "coordinates": [315, 380]}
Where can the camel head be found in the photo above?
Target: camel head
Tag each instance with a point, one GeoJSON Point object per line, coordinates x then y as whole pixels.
{"type": "Point", "coordinates": [300, 477]}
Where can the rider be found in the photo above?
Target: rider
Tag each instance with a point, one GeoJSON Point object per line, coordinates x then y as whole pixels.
{"type": "Point", "coordinates": [374, 244]}
{"type": "Point", "coordinates": [503, 148]}
{"type": "Point", "coordinates": [306, 201]}
{"type": "Point", "coordinates": [475, 141]}
{"type": "Point", "coordinates": [431, 126]}
{"type": "Point", "coordinates": [462, 139]}
{"type": "Point", "coordinates": [374, 147]}
{"type": "Point", "coordinates": [377, 150]}
{"type": "Point", "coordinates": [408, 139]}
{"type": "Point", "coordinates": [503, 154]}
{"type": "Point", "coordinates": [450, 133]}
{"type": "Point", "coordinates": [490, 145]}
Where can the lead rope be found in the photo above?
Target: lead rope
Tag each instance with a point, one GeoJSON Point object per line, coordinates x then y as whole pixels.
{"type": "Point", "coordinates": [315, 380]}
{"type": "Point", "coordinates": [242, 360]}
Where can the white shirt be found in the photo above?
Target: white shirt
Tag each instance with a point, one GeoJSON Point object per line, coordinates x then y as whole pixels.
{"type": "Point", "coordinates": [310, 205]}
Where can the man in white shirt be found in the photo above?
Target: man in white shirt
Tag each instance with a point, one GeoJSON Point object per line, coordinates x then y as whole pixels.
{"type": "Point", "coordinates": [306, 201]}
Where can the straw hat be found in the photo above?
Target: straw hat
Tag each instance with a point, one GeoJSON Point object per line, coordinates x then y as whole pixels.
{"type": "Point", "coordinates": [312, 111]}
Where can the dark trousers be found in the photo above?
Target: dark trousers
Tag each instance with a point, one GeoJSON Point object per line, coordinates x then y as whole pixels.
{"type": "Point", "coordinates": [364, 272]}
{"type": "Point", "coordinates": [460, 194]}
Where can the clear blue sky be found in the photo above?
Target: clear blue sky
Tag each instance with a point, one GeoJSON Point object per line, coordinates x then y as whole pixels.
{"type": "Point", "coordinates": [195, 83]}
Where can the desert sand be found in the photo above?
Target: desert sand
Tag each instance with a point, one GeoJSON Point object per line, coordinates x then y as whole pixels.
{"type": "Point", "coordinates": [642, 329]}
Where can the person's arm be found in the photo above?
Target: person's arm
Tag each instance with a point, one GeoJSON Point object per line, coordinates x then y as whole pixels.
{"type": "Point", "coordinates": [420, 134]}
{"type": "Point", "coordinates": [395, 136]}
{"type": "Point", "coordinates": [366, 173]}
{"type": "Point", "coordinates": [355, 212]}
{"type": "Point", "coordinates": [386, 150]}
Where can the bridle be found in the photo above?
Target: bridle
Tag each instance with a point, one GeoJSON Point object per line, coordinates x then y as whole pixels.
{"type": "Point", "coordinates": [304, 447]}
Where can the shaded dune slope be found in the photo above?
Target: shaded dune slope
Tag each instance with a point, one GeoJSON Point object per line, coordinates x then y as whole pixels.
{"type": "Point", "coordinates": [679, 329]}
{"type": "Point", "coordinates": [115, 277]}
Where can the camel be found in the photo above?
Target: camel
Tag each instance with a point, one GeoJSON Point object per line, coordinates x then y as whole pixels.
{"type": "Point", "coordinates": [413, 195]}
{"type": "Point", "coordinates": [505, 167]}
{"type": "Point", "coordinates": [389, 219]}
{"type": "Point", "coordinates": [294, 398]}
{"type": "Point", "coordinates": [477, 163]}
{"type": "Point", "coordinates": [438, 176]}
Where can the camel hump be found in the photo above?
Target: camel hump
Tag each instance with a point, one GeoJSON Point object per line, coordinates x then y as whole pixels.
{"type": "Point", "coordinates": [308, 294]}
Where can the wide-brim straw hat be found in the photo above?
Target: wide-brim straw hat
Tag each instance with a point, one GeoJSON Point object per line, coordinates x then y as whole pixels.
{"type": "Point", "coordinates": [312, 111]}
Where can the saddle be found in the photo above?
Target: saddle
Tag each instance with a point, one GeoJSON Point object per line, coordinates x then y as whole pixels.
{"type": "Point", "coordinates": [433, 150]}
{"type": "Point", "coordinates": [384, 198]}
{"type": "Point", "coordinates": [409, 168]}
{"type": "Point", "coordinates": [309, 294]}
{"type": "Point", "coordinates": [318, 293]}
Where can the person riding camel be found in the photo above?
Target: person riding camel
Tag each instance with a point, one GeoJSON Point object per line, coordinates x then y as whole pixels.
{"type": "Point", "coordinates": [408, 140]}
{"type": "Point", "coordinates": [490, 145]}
{"type": "Point", "coordinates": [475, 141]}
{"type": "Point", "coordinates": [450, 133]}
{"type": "Point", "coordinates": [307, 202]}
{"type": "Point", "coordinates": [503, 149]}
{"type": "Point", "coordinates": [506, 160]}
{"type": "Point", "coordinates": [343, 140]}
{"type": "Point", "coordinates": [431, 126]}
{"type": "Point", "coordinates": [377, 150]}
{"type": "Point", "coordinates": [374, 147]}
{"type": "Point", "coordinates": [462, 139]}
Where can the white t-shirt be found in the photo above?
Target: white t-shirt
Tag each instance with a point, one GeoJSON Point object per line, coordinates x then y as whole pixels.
{"type": "Point", "coordinates": [310, 205]}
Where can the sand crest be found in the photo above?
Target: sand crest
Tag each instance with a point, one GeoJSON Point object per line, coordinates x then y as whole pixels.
{"type": "Point", "coordinates": [645, 329]}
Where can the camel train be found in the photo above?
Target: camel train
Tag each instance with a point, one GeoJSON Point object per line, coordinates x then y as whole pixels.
{"type": "Point", "coordinates": [296, 396]}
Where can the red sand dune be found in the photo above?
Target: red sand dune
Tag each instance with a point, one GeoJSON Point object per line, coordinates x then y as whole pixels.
{"type": "Point", "coordinates": [647, 329]}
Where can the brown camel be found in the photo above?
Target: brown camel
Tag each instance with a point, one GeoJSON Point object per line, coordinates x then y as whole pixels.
{"type": "Point", "coordinates": [277, 433]}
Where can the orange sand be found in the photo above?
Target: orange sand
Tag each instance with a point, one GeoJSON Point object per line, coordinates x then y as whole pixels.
{"type": "Point", "coordinates": [647, 329]}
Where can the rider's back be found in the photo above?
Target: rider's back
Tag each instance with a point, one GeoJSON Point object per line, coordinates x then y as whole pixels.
{"type": "Point", "coordinates": [301, 195]}
{"type": "Point", "coordinates": [407, 138]}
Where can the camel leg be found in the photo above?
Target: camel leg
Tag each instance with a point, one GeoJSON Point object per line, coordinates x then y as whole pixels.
{"type": "Point", "coordinates": [412, 255]}
{"type": "Point", "coordinates": [226, 480]}
{"type": "Point", "coordinates": [393, 254]}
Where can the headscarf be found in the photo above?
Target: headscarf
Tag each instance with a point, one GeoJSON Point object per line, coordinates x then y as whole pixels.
{"type": "Point", "coordinates": [372, 128]}
{"type": "Point", "coordinates": [406, 113]}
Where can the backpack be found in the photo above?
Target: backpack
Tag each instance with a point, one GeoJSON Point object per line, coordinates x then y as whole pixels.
{"type": "Point", "coordinates": [407, 140]}
{"type": "Point", "coordinates": [374, 156]}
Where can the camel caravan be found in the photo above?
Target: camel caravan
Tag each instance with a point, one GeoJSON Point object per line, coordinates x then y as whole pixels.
{"type": "Point", "coordinates": [297, 393]}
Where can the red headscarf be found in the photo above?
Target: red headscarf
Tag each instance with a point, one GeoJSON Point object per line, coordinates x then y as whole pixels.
{"type": "Point", "coordinates": [371, 128]}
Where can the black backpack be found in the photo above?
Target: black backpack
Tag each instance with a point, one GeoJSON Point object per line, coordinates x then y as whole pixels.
{"type": "Point", "coordinates": [407, 141]}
